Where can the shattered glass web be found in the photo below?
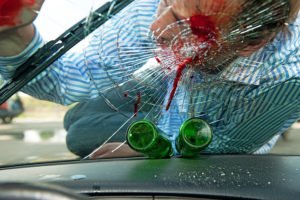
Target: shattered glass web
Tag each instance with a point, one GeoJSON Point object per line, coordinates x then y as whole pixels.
{"type": "Point", "coordinates": [203, 79]}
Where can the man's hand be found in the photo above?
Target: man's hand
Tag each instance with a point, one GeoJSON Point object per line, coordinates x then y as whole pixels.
{"type": "Point", "coordinates": [114, 150]}
{"type": "Point", "coordinates": [16, 37]}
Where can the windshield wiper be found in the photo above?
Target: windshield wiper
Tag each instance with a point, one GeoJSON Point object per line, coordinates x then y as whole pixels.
{"type": "Point", "coordinates": [54, 49]}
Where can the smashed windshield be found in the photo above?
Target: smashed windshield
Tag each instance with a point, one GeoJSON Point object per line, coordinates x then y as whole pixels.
{"type": "Point", "coordinates": [158, 79]}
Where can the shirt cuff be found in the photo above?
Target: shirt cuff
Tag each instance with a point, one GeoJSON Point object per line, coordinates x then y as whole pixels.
{"type": "Point", "coordinates": [8, 65]}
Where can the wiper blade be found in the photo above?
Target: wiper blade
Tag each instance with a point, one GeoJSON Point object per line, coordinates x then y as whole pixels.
{"type": "Point", "coordinates": [54, 49]}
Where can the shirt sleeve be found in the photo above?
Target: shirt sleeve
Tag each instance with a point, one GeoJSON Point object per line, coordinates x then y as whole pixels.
{"type": "Point", "coordinates": [8, 65]}
{"type": "Point", "coordinates": [78, 76]}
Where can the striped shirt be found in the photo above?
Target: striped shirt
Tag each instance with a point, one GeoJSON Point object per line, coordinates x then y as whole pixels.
{"type": "Point", "coordinates": [247, 112]}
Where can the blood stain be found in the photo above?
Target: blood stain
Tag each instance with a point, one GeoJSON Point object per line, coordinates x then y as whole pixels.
{"type": "Point", "coordinates": [157, 59]}
{"type": "Point", "coordinates": [204, 28]}
{"type": "Point", "coordinates": [179, 71]}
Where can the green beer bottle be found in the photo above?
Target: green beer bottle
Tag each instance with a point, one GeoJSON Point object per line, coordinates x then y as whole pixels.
{"type": "Point", "coordinates": [144, 137]}
{"type": "Point", "coordinates": [195, 135]}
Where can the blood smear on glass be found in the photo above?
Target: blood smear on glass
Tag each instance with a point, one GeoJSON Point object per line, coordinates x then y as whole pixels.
{"type": "Point", "coordinates": [179, 71]}
{"type": "Point", "coordinates": [157, 59]}
{"type": "Point", "coordinates": [203, 27]}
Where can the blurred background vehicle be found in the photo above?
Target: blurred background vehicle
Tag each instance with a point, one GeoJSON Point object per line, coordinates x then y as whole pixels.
{"type": "Point", "coordinates": [11, 109]}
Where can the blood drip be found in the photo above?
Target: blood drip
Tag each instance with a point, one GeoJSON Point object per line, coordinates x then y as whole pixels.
{"type": "Point", "coordinates": [179, 71]}
{"type": "Point", "coordinates": [10, 10]}
{"type": "Point", "coordinates": [157, 59]}
{"type": "Point", "coordinates": [203, 27]}
{"type": "Point", "coordinates": [137, 104]}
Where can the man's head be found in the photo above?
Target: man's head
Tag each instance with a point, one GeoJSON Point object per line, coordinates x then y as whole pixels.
{"type": "Point", "coordinates": [238, 27]}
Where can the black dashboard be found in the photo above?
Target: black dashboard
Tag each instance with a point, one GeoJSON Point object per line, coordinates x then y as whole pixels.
{"type": "Point", "coordinates": [207, 177]}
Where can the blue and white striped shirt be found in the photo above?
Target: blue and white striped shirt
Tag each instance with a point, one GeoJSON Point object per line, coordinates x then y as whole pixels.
{"type": "Point", "coordinates": [246, 113]}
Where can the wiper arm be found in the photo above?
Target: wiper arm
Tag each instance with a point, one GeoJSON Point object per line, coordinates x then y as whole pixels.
{"type": "Point", "coordinates": [54, 49]}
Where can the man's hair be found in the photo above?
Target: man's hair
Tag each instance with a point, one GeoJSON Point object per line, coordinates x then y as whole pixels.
{"type": "Point", "coordinates": [259, 19]}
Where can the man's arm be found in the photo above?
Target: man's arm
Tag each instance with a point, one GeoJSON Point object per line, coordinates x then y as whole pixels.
{"type": "Point", "coordinates": [81, 76]}
{"type": "Point", "coordinates": [17, 35]}
{"type": "Point", "coordinates": [13, 42]}
{"type": "Point", "coordinates": [17, 31]}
